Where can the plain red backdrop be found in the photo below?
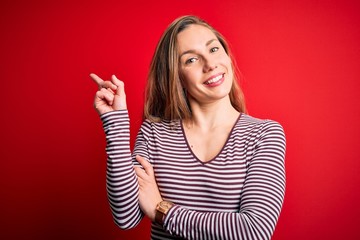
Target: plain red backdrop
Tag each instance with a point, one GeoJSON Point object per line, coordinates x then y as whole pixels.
{"type": "Point", "coordinates": [300, 61]}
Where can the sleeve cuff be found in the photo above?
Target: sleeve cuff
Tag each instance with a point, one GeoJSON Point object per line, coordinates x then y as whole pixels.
{"type": "Point", "coordinates": [114, 116]}
{"type": "Point", "coordinates": [170, 215]}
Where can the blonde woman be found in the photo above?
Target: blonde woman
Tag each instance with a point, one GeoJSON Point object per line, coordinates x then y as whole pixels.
{"type": "Point", "coordinates": [201, 167]}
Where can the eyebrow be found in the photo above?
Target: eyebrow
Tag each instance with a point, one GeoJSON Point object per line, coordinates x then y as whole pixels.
{"type": "Point", "coordinates": [192, 51]}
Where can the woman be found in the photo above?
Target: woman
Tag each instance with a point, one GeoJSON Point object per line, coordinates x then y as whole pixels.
{"type": "Point", "coordinates": [208, 170]}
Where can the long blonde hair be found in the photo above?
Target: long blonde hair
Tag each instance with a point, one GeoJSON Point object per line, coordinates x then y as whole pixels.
{"type": "Point", "coordinates": [164, 96]}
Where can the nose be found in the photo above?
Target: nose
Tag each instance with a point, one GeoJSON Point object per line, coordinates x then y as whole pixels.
{"type": "Point", "coordinates": [209, 64]}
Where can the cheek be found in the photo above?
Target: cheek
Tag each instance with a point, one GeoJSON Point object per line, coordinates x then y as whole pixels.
{"type": "Point", "coordinates": [229, 67]}
{"type": "Point", "coordinates": [227, 61]}
{"type": "Point", "coordinates": [230, 74]}
{"type": "Point", "coordinates": [231, 80]}
{"type": "Point", "coordinates": [187, 77]}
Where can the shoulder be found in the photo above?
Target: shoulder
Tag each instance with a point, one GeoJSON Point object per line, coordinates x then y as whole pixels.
{"type": "Point", "coordinates": [250, 121]}
{"type": "Point", "coordinates": [266, 136]}
{"type": "Point", "coordinates": [259, 127]}
{"type": "Point", "coordinates": [161, 127]}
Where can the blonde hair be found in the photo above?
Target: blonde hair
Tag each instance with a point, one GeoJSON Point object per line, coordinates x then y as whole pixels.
{"type": "Point", "coordinates": [164, 96]}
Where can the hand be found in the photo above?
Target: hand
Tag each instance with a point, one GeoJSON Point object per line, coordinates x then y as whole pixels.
{"type": "Point", "coordinates": [110, 96]}
{"type": "Point", "coordinates": [149, 195]}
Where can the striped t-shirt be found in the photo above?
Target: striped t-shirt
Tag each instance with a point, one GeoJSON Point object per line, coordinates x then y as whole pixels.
{"type": "Point", "coordinates": [236, 195]}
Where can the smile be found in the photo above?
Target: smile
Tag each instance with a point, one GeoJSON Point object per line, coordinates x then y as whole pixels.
{"type": "Point", "coordinates": [214, 80]}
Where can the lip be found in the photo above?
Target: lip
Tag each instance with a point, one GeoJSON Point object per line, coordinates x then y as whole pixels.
{"type": "Point", "coordinates": [218, 82]}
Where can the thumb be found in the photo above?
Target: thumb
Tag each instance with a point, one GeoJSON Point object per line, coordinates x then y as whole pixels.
{"type": "Point", "coordinates": [120, 96]}
{"type": "Point", "coordinates": [120, 85]}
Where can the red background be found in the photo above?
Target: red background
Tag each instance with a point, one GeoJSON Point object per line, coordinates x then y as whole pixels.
{"type": "Point", "coordinates": [300, 63]}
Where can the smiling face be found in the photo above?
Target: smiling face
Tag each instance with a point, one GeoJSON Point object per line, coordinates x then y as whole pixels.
{"type": "Point", "coordinates": [205, 67]}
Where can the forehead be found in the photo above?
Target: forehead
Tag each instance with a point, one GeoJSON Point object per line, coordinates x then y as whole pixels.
{"type": "Point", "coordinates": [193, 37]}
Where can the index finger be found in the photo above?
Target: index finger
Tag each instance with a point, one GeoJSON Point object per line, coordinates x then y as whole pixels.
{"type": "Point", "coordinates": [96, 79]}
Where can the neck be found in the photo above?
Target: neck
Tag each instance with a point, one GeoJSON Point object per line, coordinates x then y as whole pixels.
{"type": "Point", "coordinates": [211, 115]}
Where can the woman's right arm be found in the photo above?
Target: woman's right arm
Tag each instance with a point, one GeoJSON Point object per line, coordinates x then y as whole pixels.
{"type": "Point", "coordinates": [121, 180]}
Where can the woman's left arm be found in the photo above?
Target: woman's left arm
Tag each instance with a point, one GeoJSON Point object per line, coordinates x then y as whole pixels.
{"type": "Point", "coordinates": [260, 203]}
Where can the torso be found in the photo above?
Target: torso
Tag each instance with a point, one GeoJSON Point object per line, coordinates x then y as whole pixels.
{"type": "Point", "coordinates": [184, 178]}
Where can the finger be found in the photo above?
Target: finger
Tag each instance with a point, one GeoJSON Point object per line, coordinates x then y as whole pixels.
{"type": "Point", "coordinates": [101, 99]}
{"type": "Point", "coordinates": [96, 79]}
{"type": "Point", "coordinates": [110, 90]}
{"type": "Point", "coordinates": [120, 91]}
{"type": "Point", "coordinates": [108, 93]}
{"type": "Point", "coordinates": [145, 164]}
{"type": "Point", "coordinates": [108, 85]}
{"type": "Point", "coordinates": [104, 94]}
{"type": "Point", "coordinates": [120, 97]}
{"type": "Point", "coordinates": [140, 172]}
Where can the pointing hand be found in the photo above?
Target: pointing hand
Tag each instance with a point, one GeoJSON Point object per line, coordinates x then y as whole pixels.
{"type": "Point", "coordinates": [110, 96]}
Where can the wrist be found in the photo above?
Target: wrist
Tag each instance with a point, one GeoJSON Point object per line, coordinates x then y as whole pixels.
{"type": "Point", "coordinates": [162, 208]}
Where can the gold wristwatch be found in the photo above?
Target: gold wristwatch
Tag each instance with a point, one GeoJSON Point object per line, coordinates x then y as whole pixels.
{"type": "Point", "coordinates": [162, 209]}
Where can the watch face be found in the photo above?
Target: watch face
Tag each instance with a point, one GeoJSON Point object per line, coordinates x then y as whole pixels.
{"type": "Point", "coordinates": [165, 205]}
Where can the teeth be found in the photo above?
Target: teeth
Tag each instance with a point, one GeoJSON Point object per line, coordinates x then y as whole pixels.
{"type": "Point", "coordinates": [214, 79]}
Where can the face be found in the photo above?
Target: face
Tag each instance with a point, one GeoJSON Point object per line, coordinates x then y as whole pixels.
{"type": "Point", "coordinates": [205, 67]}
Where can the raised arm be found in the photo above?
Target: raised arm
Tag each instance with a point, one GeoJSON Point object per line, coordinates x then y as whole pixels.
{"type": "Point", "coordinates": [122, 184]}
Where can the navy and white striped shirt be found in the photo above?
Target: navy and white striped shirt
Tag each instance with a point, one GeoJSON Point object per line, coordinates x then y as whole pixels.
{"type": "Point", "coordinates": [236, 195]}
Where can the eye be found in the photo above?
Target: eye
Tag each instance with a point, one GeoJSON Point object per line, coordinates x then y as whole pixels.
{"type": "Point", "coordinates": [191, 60]}
{"type": "Point", "coordinates": [214, 49]}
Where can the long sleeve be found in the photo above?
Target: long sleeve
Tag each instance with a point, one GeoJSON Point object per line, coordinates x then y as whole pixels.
{"type": "Point", "coordinates": [121, 180]}
{"type": "Point", "coordinates": [260, 201]}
